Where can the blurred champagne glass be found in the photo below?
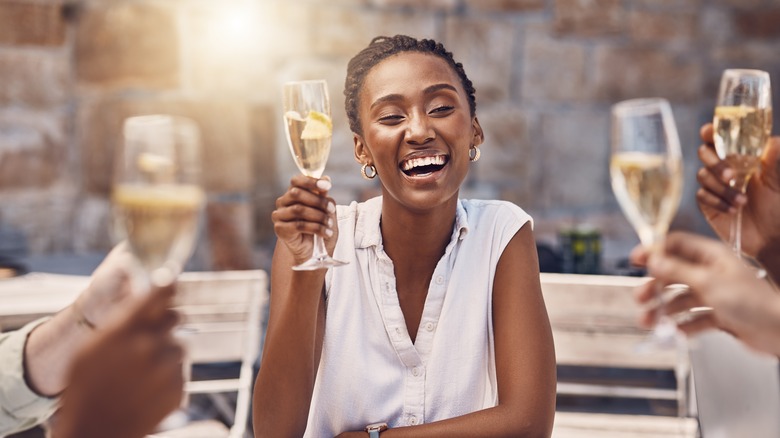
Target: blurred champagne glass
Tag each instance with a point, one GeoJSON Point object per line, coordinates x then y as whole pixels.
{"type": "Point", "coordinates": [646, 175]}
{"type": "Point", "coordinates": [157, 197]}
{"type": "Point", "coordinates": [742, 125]}
{"type": "Point", "coordinates": [309, 132]}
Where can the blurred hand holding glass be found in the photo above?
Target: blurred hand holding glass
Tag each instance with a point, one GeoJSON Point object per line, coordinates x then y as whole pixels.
{"type": "Point", "coordinates": [309, 133]}
{"type": "Point", "coordinates": [742, 125]}
{"type": "Point", "coordinates": [646, 174]}
{"type": "Point", "coordinates": [157, 197]}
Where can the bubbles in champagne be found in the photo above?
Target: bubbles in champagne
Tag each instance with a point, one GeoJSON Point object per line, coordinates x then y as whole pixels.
{"type": "Point", "coordinates": [648, 188]}
{"type": "Point", "coordinates": [160, 221]}
{"type": "Point", "coordinates": [310, 140]}
{"type": "Point", "coordinates": [740, 134]}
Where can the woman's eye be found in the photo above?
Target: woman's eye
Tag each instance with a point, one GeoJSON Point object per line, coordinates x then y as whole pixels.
{"type": "Point", "coordinates": [441, 109]}
{"type": "Point", "coordinates": [392, 118]}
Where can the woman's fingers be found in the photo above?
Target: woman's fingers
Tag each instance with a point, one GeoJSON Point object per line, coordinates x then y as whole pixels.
{"type": "Point", "coordinates": [301, 213]}
{"type": "Point", "coordinates": [682, 301]}
{"type": "Point", "coordinates": [718, 172]}
{"type": "Point", "coordinates": [639, 256]}
{"type": "Point", "coordinates": [696, 322]}
{"type": "Point", "coordinates": [300, 195]}
{"type": "Point", "coordinates": [707, 133]}
{"type": "Point", "coordinates": [304, 208]}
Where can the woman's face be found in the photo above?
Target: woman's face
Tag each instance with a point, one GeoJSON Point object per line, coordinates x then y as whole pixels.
{"type": "Point", "coordinates": [417, 129]}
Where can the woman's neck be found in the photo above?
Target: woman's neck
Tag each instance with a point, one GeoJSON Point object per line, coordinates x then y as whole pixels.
{"type": "Point", "coordinates": [416, 235]}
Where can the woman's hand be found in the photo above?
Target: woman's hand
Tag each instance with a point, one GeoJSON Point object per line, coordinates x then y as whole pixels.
{"type": "Point", "coordinates": [761, 203]}
{"type": "Point", "coordinates": [129, 376]}
{"type": "Point", "coordinates": [740, 303]}
{"type": "Point", "coordinates": [108, 286]}
{"type": "Point", "coordinates": [305, 210]}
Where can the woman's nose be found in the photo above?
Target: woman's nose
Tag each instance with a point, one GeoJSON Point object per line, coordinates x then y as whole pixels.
{"type": "Point", "coordinates": [419, 130]}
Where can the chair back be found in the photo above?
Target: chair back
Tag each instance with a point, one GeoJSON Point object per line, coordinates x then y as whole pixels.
{"type": "Point", "coordinates": [594, 324]}
{"type": "Point", "coordinates": [221, 322]}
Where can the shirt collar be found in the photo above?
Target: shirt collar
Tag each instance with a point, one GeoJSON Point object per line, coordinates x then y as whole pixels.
{"type": "Point", "coordinates": [368, 232]}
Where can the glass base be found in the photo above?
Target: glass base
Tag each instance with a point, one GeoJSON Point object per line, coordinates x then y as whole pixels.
{"type": "Point", "coordinates": [663, 337]}
{"type": "Point", "coordinates": [316, 263]}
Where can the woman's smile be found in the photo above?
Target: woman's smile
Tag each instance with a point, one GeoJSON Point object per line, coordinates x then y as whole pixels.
{"type": "Point", "coordinates": [424, 165]}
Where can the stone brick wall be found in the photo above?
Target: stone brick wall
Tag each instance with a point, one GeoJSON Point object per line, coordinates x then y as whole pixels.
{"type": "Point", "coordinates": [546, 73]}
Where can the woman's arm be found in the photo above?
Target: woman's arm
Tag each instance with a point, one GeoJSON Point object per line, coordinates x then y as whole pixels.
{"type": "Point", "coordinates": [296, 325]}
{"type": "Point", "coordinates": [525, 357]}
{"type": "Point", "coordinates": [52, 346]}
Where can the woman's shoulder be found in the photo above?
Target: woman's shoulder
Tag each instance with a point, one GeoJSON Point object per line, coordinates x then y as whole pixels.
{"type": "Point", "coordinates": [494, 210]}
{"type": "Point", "coordinates": [360, 219]}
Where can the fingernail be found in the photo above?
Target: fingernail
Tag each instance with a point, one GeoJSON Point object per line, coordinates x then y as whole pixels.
{"type": "Point", "coordinates": [323, 184]}
{"type": "Point", "coordinates": [330, 223]}
{"type": "Point", "coordinates": [331, 207]}
{"type": "Point", "coordinates": [329, 232]}
{"type": "Point", "coordinates": [727, 175]}
{"type": "Point", "coordinates": [741, 199]}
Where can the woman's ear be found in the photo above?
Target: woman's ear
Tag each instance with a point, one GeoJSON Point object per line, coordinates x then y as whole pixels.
{"type": "Point", "coordinates": [361, 151]}
{"type": "Point", "coordinates": [479, 135]}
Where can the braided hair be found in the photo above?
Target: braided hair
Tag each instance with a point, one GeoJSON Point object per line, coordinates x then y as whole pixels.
{"type": "Point", "coordinates": [382, 48]}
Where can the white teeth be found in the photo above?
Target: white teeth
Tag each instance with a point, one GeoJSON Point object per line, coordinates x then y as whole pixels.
{"type": "Point", "coordinates": [423, 161]}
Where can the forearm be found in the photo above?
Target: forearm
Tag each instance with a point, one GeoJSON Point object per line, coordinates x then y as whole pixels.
{"type": "Point", "coordinates": [50, 349]}
{"type": "Point", "coordinates": [499, 421]}
{"type": "Point", "coordinates": [291, 352]}
{"type": "Point", "coordinates": [20, 406]}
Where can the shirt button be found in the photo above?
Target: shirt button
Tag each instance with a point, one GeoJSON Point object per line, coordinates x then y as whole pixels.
{"type": "Point", "coordinates": [412, 420]}
{"type": "Point", "coordinates": [440, 280]}
{"type": "Point", "coordinates": [429, 326]}
{"type": "Point", "coordinates": [398, 331]}
{"type": "Point", "coordinates": [415, 371]}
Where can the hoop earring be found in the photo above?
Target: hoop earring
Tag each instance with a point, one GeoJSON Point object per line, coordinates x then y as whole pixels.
{"type": "Point", "coordinates": [368, 171]}
{"type": "Point", "coordinates": [474, 154]}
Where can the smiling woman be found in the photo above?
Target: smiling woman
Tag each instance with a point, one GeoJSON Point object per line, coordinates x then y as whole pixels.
{"type": "Point", "coordinates": [437, 325]}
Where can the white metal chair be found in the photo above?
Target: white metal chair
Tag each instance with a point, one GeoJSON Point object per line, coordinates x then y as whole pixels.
{"type": "Point", "coordinates": [221, 314]}
{"type": "Point", "coordinates": [593, 320]}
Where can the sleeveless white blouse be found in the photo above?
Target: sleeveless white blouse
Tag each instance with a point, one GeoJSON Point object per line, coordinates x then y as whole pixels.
{"type": "Point", "coordinates": [370, 371]}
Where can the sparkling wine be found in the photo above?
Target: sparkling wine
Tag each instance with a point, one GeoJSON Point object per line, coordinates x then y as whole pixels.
{"type": "Point", "coordinates": [160, 221]}
{"type": "Point", "coordinates": [309, 139]}
{"type": "Point", "coordinates": [741, 132]}
{"type": "Point", "coordinates": [648, 188]}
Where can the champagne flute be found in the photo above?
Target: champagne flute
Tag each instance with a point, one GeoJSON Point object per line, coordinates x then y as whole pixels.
{"type": "Point", "coordinates": [309, 131]}
{"type": "Point", "coordinates": [646, 175]}
{"type": "Point", "coordinates": [743, 122]}
{"type": "Point", "coordinates": [157, 198]}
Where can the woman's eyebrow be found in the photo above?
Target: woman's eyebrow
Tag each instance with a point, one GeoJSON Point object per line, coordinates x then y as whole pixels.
{"type": "Point", "coordinates": [386, 98]}
{"type": "Point", "coordinates": [437, 87]}
{"type": "Point", "coordinates": [428, 90]}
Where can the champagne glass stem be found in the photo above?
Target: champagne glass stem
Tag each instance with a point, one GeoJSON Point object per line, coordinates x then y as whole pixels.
{"type": "Point", "coordinates": [320, 259]}
{"type": "Point", "coordinates": [664, 333]}
{"type": "Point", "coordinates": [736, 233]}
{"type": "Point", "coordinates": [319, 251]}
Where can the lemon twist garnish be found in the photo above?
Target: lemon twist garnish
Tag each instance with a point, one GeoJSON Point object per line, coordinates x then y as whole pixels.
{"type": "Point", "coordinates": [318, 126]}
{"type": "Point", "coordinates": [733, 111]}
{"type": "Point", "coordinates": [153, 163]}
